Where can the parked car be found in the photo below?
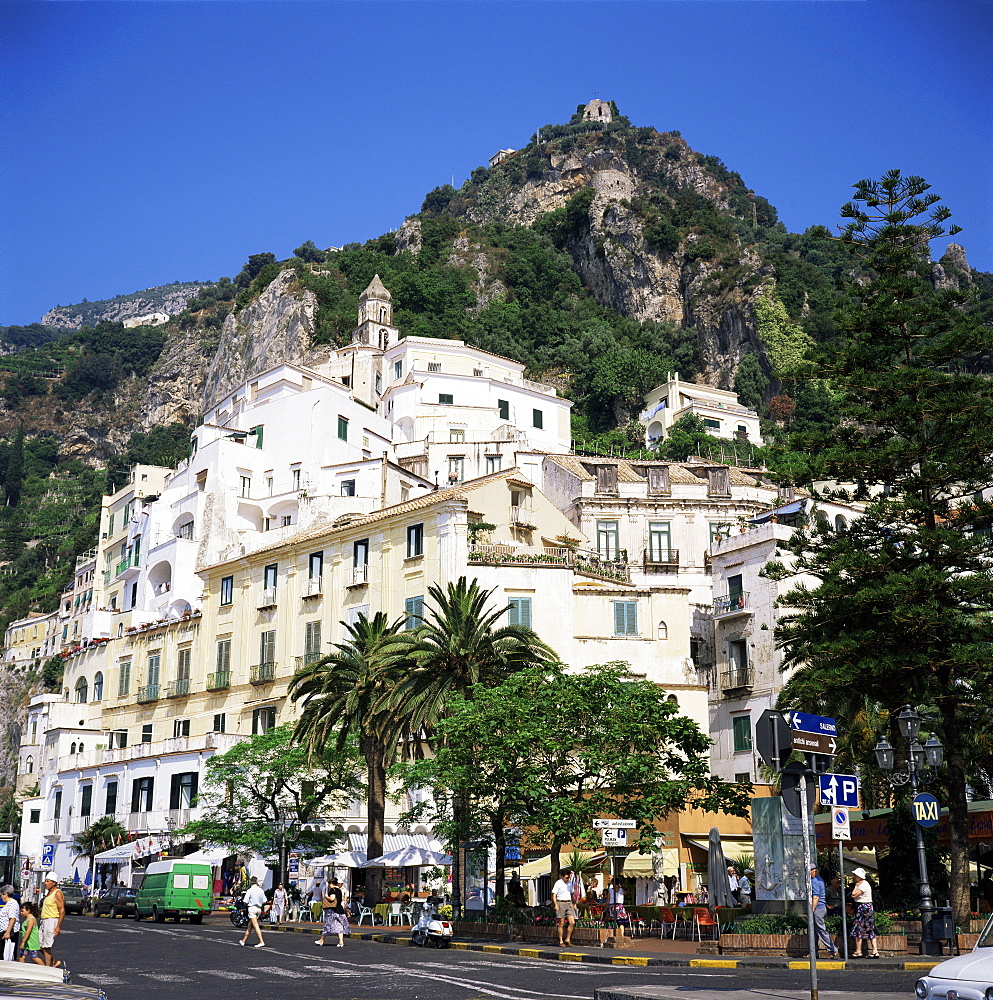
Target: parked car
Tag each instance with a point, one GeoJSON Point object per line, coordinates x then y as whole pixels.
{"type": "Point", "coordinates": [117, 901]}
{"type": "Point", "coordinates": [77, 899]}
{"type": "Point", "coordinates": [967, 977]}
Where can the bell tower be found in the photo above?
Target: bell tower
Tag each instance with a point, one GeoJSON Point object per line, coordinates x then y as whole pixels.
{"type": "Point", "coordinates": [376, 327]}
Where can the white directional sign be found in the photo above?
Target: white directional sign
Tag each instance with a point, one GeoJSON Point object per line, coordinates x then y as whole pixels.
{"type": "Point", "coordinates": [614, 838]}
{"type": "Point", "coordinates": [840, 829]}
{"type": "Point", "coordinates": [839, 790]}
{"type": "Point", "coordinates": [615, 824]}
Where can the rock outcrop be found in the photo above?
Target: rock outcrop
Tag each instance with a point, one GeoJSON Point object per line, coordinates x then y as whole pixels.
{"type": "Point", "coordinates": [168, 299]}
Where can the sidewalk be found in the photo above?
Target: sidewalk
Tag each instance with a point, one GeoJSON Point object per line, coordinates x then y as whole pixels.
{"type": "Point", "coordinates": [672, 993]}
{"type": "Point", "coordinates": [605, 956]}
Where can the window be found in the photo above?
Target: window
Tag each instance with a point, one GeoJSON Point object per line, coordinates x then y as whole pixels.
{"type": "Point", "coordinates": [141, 794]}
{"type": "Point", "coordinates": [360, 553]}
{"type": "Point", "coordinates": [520, 611]}
{"type": "Point", "coordinates": [183, 790]}
{"type": "Point", "coordinates": [268, 484]}
{"type": "Point", "coordinates": [477, 372]}
{"type": "Point", "coordinates": [743, 777]}
{"type": "Point", "coordinates": [414, 610]}
{"type": "Point", "coordinates": [154, 662]}
{"type": "Point", "coordinates": [126, 515]}
{"type": "Point", "coordinates": [741, 729]}
{"type": "Point", "coordinates": [227, 590]}
{"type": "Point", "coordinates": [737, 663]}
{"type": "Point", "coordinates": [608, 539]}
{"type": "Point", "coordinates": [537, 418]}
{"type": "Point", "coordinates": [269, 576]}
{"type": "Point", "coordinates": [315, 568]}
{"type": "Point", "coordinates": [119, 738]}
{"type": "Point", "coordinates": [146, 733]}
{"type": "Point", "coordinates": [263, 719]}
{"type": "Point", "coordinates": [180, 728]}
{"type": "Point", "coordinates": [82, 689]}
{"type": "Point", "coordinates": [246, 486]}
{"type": "Point", "coordinates": [379, 382]}
{"type": "Point", "coordinates": [223, 662]}
{"type": "Point", "coordinates": [456, 468]}
{"type": "Point", "coordinates": [343, 428]}
{"type": "Point", "coordinates": [296, 478]}
{"type": "Point", "coordinates": [716, 530]}
{"type": "Point", "coordinates": [29, 765]}
{"type": "Point", "coordinates": [840, 524]}
{"type": "Point", "coordinates": [185, 530]}
{"type": "Point", "coordinates": [446, 398]}
{"type": "Point", "coordinates": [257, 433]}
{"type": "Point", "coordinates": [434, 366]}
{"type": "Point", "coordinates": [35, 816]}
{"type": "Point", "coordinates": [735, 590]}
{"type": "Point", "coordinates": [493, 463]}
{"type": "Point", "coordinates": [663, 630]}
{"type": "Point", "coordinates": [286, 520]}
{"type": "Point", "coordinates": [219, 721]}
{"type": "Point", "coordinates": [711, 425]}
{"type": "Point", "coordinates": [659, 541]}
{"type": "Point", "coordinates": [503, 408]}
{"type": "Point", "coordinates": [456, 435]}
{"type": "Point", "coordinates": [57, 803]}
{"type": "Point", "coordinates": [98, 686]}
{"type": "Point", "coordinates": [625, 617]}
{"type": "Point", "coordinates": [110, 525]}
{"type": "Point", "coordinates": [267, 648]}
{"type": "Point", "coordinates": [658, 479]}
{"type": "Point", "coordinates": [348, 487]}
{"type": "Point", "coordinates": [415, 540]}
{"type": "Point", "coordinates": [86, 801]}
{"type": "Point", "coordinates": [398, 369]}
{"type": "Point", "coordinates": [183, 665]}
{"type": "Point", "coordinates": [110, 801]}
{"type": "Point", "coordinates": [311, 642]}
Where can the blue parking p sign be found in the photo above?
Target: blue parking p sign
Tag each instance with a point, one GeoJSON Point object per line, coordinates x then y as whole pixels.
{"type": "Point", "coordinates": [839, 790]}
{"type": "Point", "coordinates": [47, 855]}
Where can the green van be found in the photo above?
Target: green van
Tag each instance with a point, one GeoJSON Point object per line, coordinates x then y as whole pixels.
{"type": "Point", "coordinates": [177, 889]}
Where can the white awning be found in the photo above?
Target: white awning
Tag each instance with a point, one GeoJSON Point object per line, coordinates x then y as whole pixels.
{"type": "Point", "coordinates": [209, 856]}
{"type": "Point", "coordinates": [123, 852]}
{"type": "Point", "coordinates": [397, 842]}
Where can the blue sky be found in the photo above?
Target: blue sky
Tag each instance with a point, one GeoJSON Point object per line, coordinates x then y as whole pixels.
{"type": "Point", "coordinates": [145, 143]}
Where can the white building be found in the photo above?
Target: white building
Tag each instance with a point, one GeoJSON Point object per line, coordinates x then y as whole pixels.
{"type": "Point", "coordinates": [722, 414]}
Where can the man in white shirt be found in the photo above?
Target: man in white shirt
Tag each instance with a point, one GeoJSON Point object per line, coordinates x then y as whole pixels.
{"type": "Point", "coordinates": [255, 900]}
{"type": "Point", "coordinates": [565, 907]}
{"type": "Point", "coordinates": [733, 884]}
{"type": "Point", "coordinates": [9, 922]}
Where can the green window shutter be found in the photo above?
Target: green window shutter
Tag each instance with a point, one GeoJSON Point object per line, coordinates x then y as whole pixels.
{"type": "Point", "coordinates": [343, 428]}
{"type": "Point", "coordinates": [312, 638]}
{"type": "Point", "coordinates": [625, 617]}
{"type": "Point", "coordinates": [414, 609]}
{"type": "Point", "coordinates": [520, 611]}
{"type": "Point", "coordinates": [503, 405]}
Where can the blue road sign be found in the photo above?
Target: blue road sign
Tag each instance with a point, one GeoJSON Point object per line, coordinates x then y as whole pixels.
{"type": "Point", "coordinates": [47, 855]}
{"type": "Point", "coordinates": [802, 723]}
{"type": "Point", "coordinates": [840, 790]}
{"type": "Point", "coordinates": [927, 811]}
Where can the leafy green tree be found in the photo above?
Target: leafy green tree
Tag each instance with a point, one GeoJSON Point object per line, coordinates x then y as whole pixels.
{"type": "Point", "coordinates": [343, 699]}
{"type": "Point", "coordinates": [687, 436]}
{"type": "Point", "coordinates": [14, 476]}
{"type": "Point", "coordinates": [786, 343]}
{"type": "Point", "coordinates": [90, 373]}
{"type": "Point", "coordinates": [253, 266]}
{"type": "Point", "coordinates": [552, 750]}
{"type": "Point", "coordinates": [309, 252]}
{"type": "Point", "coordinates": [902, 609]}
{"type": "Point", "coordinates": [264, 790]}
{"type": "Point", "coordinates": [750, 382]}
{"type": "Point", "coordinates": [437, 200]}
{"type": "Point", "coordinates": [614, 383]}
{"type": "Point", "coordinates": [458, 645]}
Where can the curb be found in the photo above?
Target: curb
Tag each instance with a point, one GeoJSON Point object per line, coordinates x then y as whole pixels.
{"type": "Point", "coordinates": [629, 960]}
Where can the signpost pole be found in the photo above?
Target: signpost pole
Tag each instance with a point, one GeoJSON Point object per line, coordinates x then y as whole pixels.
{"type": "Point", "coordinates": [812, 939]}
{"type": "Point", "coordinates": [844, 907]}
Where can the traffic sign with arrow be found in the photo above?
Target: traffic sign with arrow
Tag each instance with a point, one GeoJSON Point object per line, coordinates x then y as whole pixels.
{"type": "Point", "coordinates": [814, 742]}
{"type": "Point", "coordinates": [804, 723]}
{"type": "Point", "coordinates": [839, 790]}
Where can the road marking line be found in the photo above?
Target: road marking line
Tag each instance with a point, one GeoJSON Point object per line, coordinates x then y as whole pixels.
{"type": "Point", "coordinates": [166, 977]}
{"type": "Point", "coordinates": [225, 975]}
{"type": "Point", "coordinates": [105, 980]}
{"type": "Point", "coordinates": [713, 963]}
{"type": "Point", "coordinates": [275, 970]}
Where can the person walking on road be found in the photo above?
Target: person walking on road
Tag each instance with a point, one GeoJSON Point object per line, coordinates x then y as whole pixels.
{"type": "Point", "coordinates": [30, 946]}
{"type": "Point", "coordinates": [279, 898]}
{"type": "Point", "coordinates": [10, 913]}
{"type": "Point", "coordinates": [53, 913]}
{"type": "Point", "coordinates": [565, 907]}
{"type": "Point", "coordinates": [817, 894]}
{"type": "Point", "coordinates": [255, 901]}
{"type": "Point", "coordinates": [335, 914]}
{"type": "Point", "coordinates": [864, 928]}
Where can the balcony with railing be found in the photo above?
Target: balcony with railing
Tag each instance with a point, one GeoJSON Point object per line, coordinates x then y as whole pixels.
{"type": "Point", "coordinates": [656, 560]}
{"type": "Point", "coordinates": [732, 605]}
{"type": "Point", "coordinates": [359, 576]}
{"type": "Point", "coordinates": [219, 680]}
{"type": "Point", "coordinates": [148, 693]}
{"type": "Point", "coordinates": [736, 679]}
{"type": "Point", "coordinates": [584, 563]}
{"type": "Point", "coordinates": [178, 688]}
{"type": "Point", "coordinates": [88, 556]}
{"type": "Point", "coordinates": [522, 517]}
{"type": "Point", "coordinates": [313, 587]}
{"type": "Point", "coordinates": [129, 562]}
{"type": "Point", "coordinates": [267, 598]}
{"type": "Point", "coordinates": [262, 673]}
{"type": "Point", "coordinates": [306, 660]}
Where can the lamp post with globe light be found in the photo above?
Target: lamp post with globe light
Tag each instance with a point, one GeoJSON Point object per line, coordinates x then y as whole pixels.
{"type": "Point", "coordinates": [922, 763]}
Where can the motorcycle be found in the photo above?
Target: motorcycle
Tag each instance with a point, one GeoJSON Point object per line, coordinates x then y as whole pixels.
{"type": "Point", "coordinates": [431, 928]}
{"type": "Point", "coordinates": [239, 915]}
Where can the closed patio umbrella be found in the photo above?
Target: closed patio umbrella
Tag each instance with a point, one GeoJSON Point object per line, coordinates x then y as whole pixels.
{"type": "Point", "coordinates": [717, 871]}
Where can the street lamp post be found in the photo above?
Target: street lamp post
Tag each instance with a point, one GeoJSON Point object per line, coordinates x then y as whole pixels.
{"type": "Point", "coordinates": [922, 761]}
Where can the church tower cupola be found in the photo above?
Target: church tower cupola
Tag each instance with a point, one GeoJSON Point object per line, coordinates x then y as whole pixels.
{"type": "Point", "coordinates": [376, 327]}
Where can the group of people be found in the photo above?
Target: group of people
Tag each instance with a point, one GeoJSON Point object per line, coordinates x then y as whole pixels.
{"type": "Point", "coordinates": [567, 896]}
{"type": "Point", "coordinates": [864, 924]}
{"type": "Point", "coordinates": [334, 915]}
{"type": "Point", "coordinates": [27, 934]}
{"type": "Point", "coordinates": [740, 886]}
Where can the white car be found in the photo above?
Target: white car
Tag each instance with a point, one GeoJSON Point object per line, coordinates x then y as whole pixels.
{"type": "Point", "coordinates": [968, 977]}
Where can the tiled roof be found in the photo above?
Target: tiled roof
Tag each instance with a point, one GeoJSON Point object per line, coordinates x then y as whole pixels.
{"type": "Point", "coordinates": [679, 472]}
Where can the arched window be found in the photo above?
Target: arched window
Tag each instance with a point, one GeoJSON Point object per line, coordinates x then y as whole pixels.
{"type": "Point", "coordinates": [29, 765]}
{"type": "Point", "coordinates": [840, 524]}
{"type": "Point", "coordinates": [80, 747]}
{"type": "Point", "coordinates": [663, 630]}
{"type": "Point", "coordinates": [673, 699]}
{"type": "Point", "coordinates": [72, 749]}
{"type": "Point", "coordinates": [98, 687]}
{"type": "Point", "coordinates": [81, 691]}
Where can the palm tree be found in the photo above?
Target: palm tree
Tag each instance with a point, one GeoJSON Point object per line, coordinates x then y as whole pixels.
{"type": "Point", "coordinates": [458, 645]}
{"type": "Point", "coordinates": [343, 699]}
{"type": "Point", "coordinates": [100, 835]}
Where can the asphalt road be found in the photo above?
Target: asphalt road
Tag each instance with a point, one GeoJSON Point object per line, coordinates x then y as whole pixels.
{"type": "Point", "coordinates": [147, 961]}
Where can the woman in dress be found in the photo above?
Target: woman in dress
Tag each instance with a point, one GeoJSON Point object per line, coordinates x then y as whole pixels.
{"type": "Point", "coordinates": [278, 910]}
{"type": "Point", "coordinates": [864, 928]}
{"type": "Point", "coordinates": [335, 914]}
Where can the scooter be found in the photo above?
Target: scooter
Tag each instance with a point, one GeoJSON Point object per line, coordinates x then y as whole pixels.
{"type": "Point", "coordinates": [431, 928]}
{"type": "Point", "coordinates": [239, 915]}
